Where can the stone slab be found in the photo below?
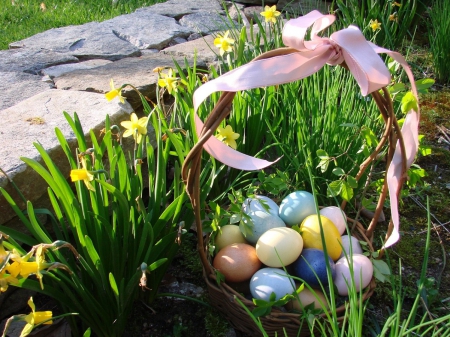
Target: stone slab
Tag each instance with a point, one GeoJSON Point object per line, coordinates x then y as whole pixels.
{"type": "Point", "coordinates": [17, 86]}
{"type": "Point", "coordinates": [62, 69]}
{"type": "Point", "coordinates": [178, 8]}
{"type": "Point", "coordinates": [207, 23]}
{"type": "Point", "coordinates": [89, 41]}
{"type": "Point", "coordinates": [203, 47]}
{"type": "Point", "coordinates": [35, 119]}
{"type": "Point", "coordinates": [31, 60]}
{"type": "Point", "coordinates": [137, 71]}
{"type": "Point", "coordinates": [147, 30]}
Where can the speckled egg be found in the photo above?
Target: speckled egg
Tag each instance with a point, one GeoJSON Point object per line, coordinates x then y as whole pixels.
{"type": "Point", "coordinates": [296, 207]}
{"type": "Point", "coordinates": [261, 223]}
{"type": "Point", "coordinates": [279, 247]}
{"type": "Point", "coordinates": [310, 229]}
{"type": "Point", "coordinates": [271, 280]}
{"type": "Point", "coordinates": [311, 267]}
{"type": "Point", "coordinates": [228, 235]}
{"type": "Point", "coordinates": [355, 245]}
{"type": "Point", "coordinates": [337, 216]}
{"type": "Point", "coordinates": [362, 271]}
{"type": "Point", "coordinates": [256, 204]}
{"type": "Point", "coordinates": [237, 262]}
{"type": "Point", "coordinates": [306, 297]}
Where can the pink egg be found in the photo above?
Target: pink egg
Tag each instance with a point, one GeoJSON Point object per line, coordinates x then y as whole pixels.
{"type": "Point", "coordinates": [337, 216]}
{"type": "Point", "coordinates": [362, 272]}
{"type": "Point", "coordinates": [237, 262]}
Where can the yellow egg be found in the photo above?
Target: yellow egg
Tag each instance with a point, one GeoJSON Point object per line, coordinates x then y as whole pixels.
{"type": "Point", "coordinates": [310, 230]}
{"type": "Point", "coordinates": [229, 234]}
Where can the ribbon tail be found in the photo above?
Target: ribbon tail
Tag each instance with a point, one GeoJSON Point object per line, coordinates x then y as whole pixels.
{"type": "Point", "coordinates": [395, 175]}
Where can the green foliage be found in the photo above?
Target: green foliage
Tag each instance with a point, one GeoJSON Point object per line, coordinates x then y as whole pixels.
{"type": "Point", "coordinates": [124, 231]}
{"type": "Point", "coordinates": [20, 19]}
{"type": "Point", "coordinates": [438, 32]}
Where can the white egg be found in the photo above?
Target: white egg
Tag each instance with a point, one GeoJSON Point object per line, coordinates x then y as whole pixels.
{"type": "Point", "coordinates": [297, 206]}
{"type": "Point", "coordinates": [362, 271]}
{"type": "Point", "coordinates": [258, 203]}
{"type": "Point", "coordinates": [355, 245]}
{"type": "Point", "coordinates": [337, 216]}
{"type": "Point", "coordinates": [271, 280]}
{"type": "Point", "coordinates": [261, 223]}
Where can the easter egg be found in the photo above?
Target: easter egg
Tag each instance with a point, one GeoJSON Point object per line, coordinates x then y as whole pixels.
{"type": "Point", "coordinates": [311, 267]}
{"type": "Point", "coordinates": [297, 206]}
{"type": "Point", "coordinates": [310, 229]}
{"type": "Point", "coordinates": [228, 234]}
{"type": "Point", "coordinates": [337, 216]}
{"type": "Point", "coordinates": [271, 280]}
{"type": "Point", "coordinates": [258, 203]}
{"type": "Point", "coordinates": [279, 247]}
{"type": "Point", "coordinates": [362, 271]}
{"type": "Point", "coordinates": [306, 297]}
{"type": "Point", "coordinates": [237, 262]}
{"type": "Point", "coordinates": [260, 223]}
{"type": "Point", "coordinates": [355, 245]}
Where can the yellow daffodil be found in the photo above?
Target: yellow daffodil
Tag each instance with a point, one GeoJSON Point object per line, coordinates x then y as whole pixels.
{"type": "Point", "coordinates": [115, 92]}
{"type": "Point", "coordinates": [168, 81]}
{"type": "Point", "coordinates": [6, 279]}
{"type": "Point", "coordinates": [395, 3]}
{"type": "Point", "coordinates": [224, 43]}
{"type": "Point", "coordinates": [227, 136]}
{"type": "Point", "coordinates": [135, 127]}
{"type": "Point", "coordinates": [375, 25]}
{"type": "Point", "coordinates": [270, 13]}
{"type": "Point", "coordinates": [393, 17]}
{"type": "Point", "coordinates": [34, 318]}
{"type": "Point", "coordinates": [83, 174]}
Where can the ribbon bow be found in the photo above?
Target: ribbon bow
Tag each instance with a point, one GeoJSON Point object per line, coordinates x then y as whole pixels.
{"type": "Point", "coordinates": [347, 45]}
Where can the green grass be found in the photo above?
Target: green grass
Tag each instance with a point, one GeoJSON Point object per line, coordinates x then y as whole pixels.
{"type": "Point", "coordinates": [20, 19]}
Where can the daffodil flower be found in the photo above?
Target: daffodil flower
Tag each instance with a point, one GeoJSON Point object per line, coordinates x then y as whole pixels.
{"type": "Point", "coordinates": [393, 17]}
{"type": "Point", "coordinates": [168, 81]}
{"type": "Point", "coordinates": [135, 127]}
{"type": "Point", "coordinates": [375, 25]}
{"type": "Point", "coordinates": [227, 136]}
{"type": "Point", "coordinates": [395, 3]}
{"type": "Point", "coordinates": [83, 174]}
{"type": "Point", "coordinates": [270, 13]}
{"type": "Point", "coordinates": [5, 280]}
{"type": "Point", "coordinates": [32, 319]}
{"type": "Point", "coordinates": [115, 92]}
{"type": "Point", "coordinates": [224, 43]}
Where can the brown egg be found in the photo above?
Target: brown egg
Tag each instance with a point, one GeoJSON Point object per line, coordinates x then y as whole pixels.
{"type": "Point", "coordinates": [237, 262]}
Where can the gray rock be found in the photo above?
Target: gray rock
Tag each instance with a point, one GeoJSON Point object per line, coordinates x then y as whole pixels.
{"type": "Point", "coordinates": [17, 86]}
{"type": "Point", "coordinates": [254, 12]}
{"type": "Point", "coordinates": [13, 301]}
{"type": "Point", "coordinates": [203, 47]}
{"type": "Point", "coordinates": [137, 71]}
{"type": "Point", "coordinates": [35, 119]}
{"type": "Point", "coordinates": [258, 2]}
{"type": "Point", "coordinates": [56, 71]}
{"type": "Point", "coordinates": [146, 30]}
{"type": "Point", "coordinates": [206, 23]}
{"type": "Point", "coordinates": [89, 41]}
{"type": "Point", "coordinates": [31, 61]}
{"type": "Point", "coordinates": [178, 8]}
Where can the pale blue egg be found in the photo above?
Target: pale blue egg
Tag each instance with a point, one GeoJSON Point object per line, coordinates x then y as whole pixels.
{"type": "Point", "coordinates": [256, 204]}
{"type": "Point", "coordinates": [260, 223]}
{"type": "Point", "coordinates": [296, 207]}
{"type": "Point", "coordinates": [271, 280]}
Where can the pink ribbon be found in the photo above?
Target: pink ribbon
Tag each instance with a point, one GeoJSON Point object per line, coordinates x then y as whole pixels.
{"type": "Point", "coordinates": [347, 45]}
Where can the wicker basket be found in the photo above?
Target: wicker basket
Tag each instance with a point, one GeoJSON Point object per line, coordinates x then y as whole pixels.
{"type": "Point", "coordinates": [223, 295]}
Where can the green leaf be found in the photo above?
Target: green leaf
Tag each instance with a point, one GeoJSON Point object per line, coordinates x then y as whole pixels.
{"type": "Point", "coordinates": [235, 218]}
{"type": "Point", "coordinates": [381, 270]}
{"type": "Point", "coordinates": [369, 136]}
{"type": "Point", "coordinates": [423, 84]}
{"type": "Point", "coordinates": [409, 102]}
{"type": "Point", "coordinates": [338, 171]}
{"type": "Point", "coordinates": [396, 88]}
{"type": "Point", "coordinates": [352, 182]}
{"type": "Point", "coordinates": [87, 333]}
{"type": "Point", "coordinates": [112, 282]}
{"type": "Point", "coordinates": [334, 188]}
{"type": "Point", "coordinates": [346, 191]}
{"type": "Point", "coordinates": [156, 264]}
{"type": "Point", "coordinates": [322, 154]}
{"type": "Point", "coordinates": [425, 150]}
{"type": "Point", "coordinates": [261, 311]}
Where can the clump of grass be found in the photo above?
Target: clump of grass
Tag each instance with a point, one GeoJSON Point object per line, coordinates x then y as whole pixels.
{"type": "Point", "coordinates": [20, 19]}
{"type": "Point", "coordinates": [438, 31]}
